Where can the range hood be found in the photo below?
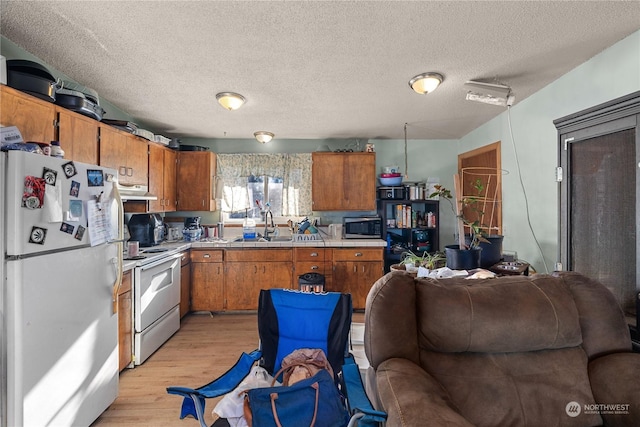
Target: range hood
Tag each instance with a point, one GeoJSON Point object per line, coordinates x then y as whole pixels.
{"type": "Point", "coordinates": [135, 192]}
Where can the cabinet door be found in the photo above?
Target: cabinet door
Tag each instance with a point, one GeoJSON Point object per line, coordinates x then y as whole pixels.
{"type": "Point", "coordinates": [195, 181]}
{"type": "Point", "coordinates": [360, 181]}
{"type": "Point", "coordinates": [125, 322]}
{"type": "Point", "coordinates": [185, 284]}
{"type": "Point", "coordinates": [113, 151]}
{"type": "Point", "coordinates": [138, 160]}
{"type": "Point", "coordinates": [327, 184]}
{"type": "Point", "coordinates": [242, 285]}
{"type": "Point", "coordinates": [343, 181]}
{"type": "Point", "coordinates": [170, 162]}
{"type": "Point", "coordinates": [207, 286]}
{"type": "Point", "coordinates": [156, 177]}
{"type": "Point", "coordinates": [33, 117]}
{"type": "Point", "coordinates": [368, 273]}
{"type": "Point", "coordinates": [78, 136]}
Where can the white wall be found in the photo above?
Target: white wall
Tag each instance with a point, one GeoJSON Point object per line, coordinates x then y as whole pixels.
{"type": "Point", "coordinates": [611, 74]}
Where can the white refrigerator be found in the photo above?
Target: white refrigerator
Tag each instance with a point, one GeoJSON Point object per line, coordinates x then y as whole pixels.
{"type": "Point", "coordinates": [61, 269]}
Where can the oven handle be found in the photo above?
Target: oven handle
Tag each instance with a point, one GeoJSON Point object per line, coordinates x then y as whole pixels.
{"type": "Point", "coordinates": [170, 256]}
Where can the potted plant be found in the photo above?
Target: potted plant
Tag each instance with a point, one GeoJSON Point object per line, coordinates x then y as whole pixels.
{"type": "Point", "coordinates": [470, 252]}
{"type": "Point", "coordinates": [411, 261]}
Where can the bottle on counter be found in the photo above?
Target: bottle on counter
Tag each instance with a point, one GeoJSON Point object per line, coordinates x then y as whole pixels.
{"type": "Point", "coordinates": [56, 150]}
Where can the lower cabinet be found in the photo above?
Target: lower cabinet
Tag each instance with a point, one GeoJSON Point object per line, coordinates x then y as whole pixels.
{"type": "Point", "coordinates": [185, 283]}
{"type": "Point", "coordinates": [125, 322]}
{"type": "Point", "coordinates": [247, 271]}
{"type": "Point", "coordinates": [207, 280]}
{"type": "Point", "coordinates": [314, 260]}
{"type": "Point", "coordinates": [355, 270]}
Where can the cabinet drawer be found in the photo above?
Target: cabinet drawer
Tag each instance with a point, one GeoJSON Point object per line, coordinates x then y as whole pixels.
{"type": "Point", "coordinates": [357, 254]}
{"type": "Point", "coordinates": [198, 255]}
{"type": "Point", "coordinates": [313, 267]}
{"type": "Point", "coordinates": [262, 255]}
{"type": "Point", "coordinates": [312, 254]}
{"type": "Point", "coordinates": [184, 258]}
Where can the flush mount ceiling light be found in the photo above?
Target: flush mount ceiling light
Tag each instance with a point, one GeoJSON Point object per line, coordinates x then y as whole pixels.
{"type": "Point", "coordinates": [230, 100]}
{"type": "Point", "coordinates": [489, 93]}
{"type": "Point", "coordinates": [263, 136]}
{"type": "Point", "coordinates": [425, 82]}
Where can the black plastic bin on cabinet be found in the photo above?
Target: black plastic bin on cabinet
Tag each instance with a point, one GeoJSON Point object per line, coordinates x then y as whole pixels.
{"type": "Point", "coordinates": [311, 282]}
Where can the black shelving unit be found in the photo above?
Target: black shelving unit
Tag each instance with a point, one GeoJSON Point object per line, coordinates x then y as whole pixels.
{"type": "Point", "coordinates": [416, 238]}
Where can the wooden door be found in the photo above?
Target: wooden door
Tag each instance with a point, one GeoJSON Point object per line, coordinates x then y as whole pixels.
{"type": "Point", "coordinates": [33, 117]}
{"type": "Point", "coordinates": [156, 177]}
{"type": "Point", "coordinates": [242, 286]}
{"type": "Point", "coordinates": [78, 136]}
{"type": "Point", "coordinates": [327, 183]}
{"type": "Point", "coordinates": [169, 180]}
{"type": "Point", "coordinates": [360, 181]}
{"type": "Point", "coordinates": [207, 286]}
{"type": "Point", "coordinates": [482, 168]}
{"type": "Point", "coordinates": [137, 160]}
{"type": "Point", "coordinates": [195, 179]}
{"type": "Point", "coordinates": [113, 151]}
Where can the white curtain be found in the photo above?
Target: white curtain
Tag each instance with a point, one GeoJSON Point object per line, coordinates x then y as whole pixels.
{"type": "Point", "coordinates": [294, 169]}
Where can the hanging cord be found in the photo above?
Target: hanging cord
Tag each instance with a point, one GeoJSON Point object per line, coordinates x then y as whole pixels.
{"type": "Point", "coordinates": [524, 192]}
{"type": "Point", "coordinates": [406, 159]}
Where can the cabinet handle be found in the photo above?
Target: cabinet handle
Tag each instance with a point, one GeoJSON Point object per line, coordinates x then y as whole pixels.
{"type": "Point", "coordinates": [206, 256]}
{"type": "Point", "coordinates": [355, 269]}
{"type": "Point", "coordinates": [218, 269]}
{"type": "Point", "coordinates": [358, 253]}
{"type": "Point", "coordinates": [314, 267]}
{"type": "Point", "coordinates": [264, 269]}
{"type": "Point", "coordinates": [314, 254]}
{"type": "Point", "coordinates": [255, 268]}
{"type": "Point", "coordinates": [122, 170]}
{"type": "Point", "coordinates": [129, 171]}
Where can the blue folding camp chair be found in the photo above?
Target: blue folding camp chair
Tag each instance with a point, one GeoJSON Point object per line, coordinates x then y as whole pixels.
{"type": "Point", "coordinates": [290, 320]}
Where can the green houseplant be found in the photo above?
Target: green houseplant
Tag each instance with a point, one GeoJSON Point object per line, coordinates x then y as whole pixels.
{"type": "Point", "coordinates": [473, 232]}
{"type": "Point", "coordinates": [411, 261]}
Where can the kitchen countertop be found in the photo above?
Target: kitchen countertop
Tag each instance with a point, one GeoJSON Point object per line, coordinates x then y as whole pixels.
{"type": "Point", "coordinates": [180, 246]}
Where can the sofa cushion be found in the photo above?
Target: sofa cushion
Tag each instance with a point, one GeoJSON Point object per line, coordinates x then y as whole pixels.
{"type": "Point", "coordinates": [515, 389]}
{"type": "Point", "coordinates": [508, 315]}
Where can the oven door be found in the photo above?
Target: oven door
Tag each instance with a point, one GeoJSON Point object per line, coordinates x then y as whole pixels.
{"type": "Point", "coordinates": [157, 290]}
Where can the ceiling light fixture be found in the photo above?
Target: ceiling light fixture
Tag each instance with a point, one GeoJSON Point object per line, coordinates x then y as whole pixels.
{"type": "Point", "coordinates": [426, 82]}
{"type": "Point", "coordinates": [263, 136]}
{"type": "Point", "coordinates": [489, 93]}
{"type": "Point", "coordinates": [230, 100]}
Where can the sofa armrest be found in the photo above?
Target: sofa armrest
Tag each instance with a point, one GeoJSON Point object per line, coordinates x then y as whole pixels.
{"type": "Point", "coordinates": [412, 397]}
{"type": "Point", "coordinates": [615, 381]}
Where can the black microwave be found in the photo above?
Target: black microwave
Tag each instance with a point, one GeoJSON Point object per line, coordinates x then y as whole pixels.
{"type": "Point", "coordinates": [363, 227]}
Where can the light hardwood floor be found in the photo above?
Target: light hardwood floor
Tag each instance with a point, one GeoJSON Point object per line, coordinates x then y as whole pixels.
{"type": "Point", "coordinates": [204, 348]}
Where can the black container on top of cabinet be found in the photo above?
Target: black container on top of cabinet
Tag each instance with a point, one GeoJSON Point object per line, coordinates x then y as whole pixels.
{"type": "Point", "coordinates": [417, 231]}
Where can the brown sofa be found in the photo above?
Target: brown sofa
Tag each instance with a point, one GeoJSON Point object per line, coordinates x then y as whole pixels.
{"type": "Point", "coordinates": [545, 350]}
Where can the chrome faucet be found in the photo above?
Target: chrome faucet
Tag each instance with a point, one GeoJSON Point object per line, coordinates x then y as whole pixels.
{"type": "Point", "coordinates": [267, 214]}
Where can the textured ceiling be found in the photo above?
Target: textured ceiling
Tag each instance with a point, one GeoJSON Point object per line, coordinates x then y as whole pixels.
{"type": "Point", "coordinates": [312, 69]}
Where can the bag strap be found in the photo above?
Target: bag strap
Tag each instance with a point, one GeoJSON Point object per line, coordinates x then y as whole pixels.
{"type": "Point", "coordinates": [274, 396]}
{"type": "Point", "coordinates": [288, 367]}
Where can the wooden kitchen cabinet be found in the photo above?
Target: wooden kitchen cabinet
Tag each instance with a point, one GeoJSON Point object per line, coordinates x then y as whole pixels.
{"type": "Point", "coordinates": [78, 136]}
{"type": "Point", "coordinates": [247, 271]}
{"type": "Point", "coordinates": [207, 280]}
{"type": "Point", "coordinates": [125, 322]}
{"type": "Point", "coordinates": [126, 153]}
{"type": "Point", "coordinates": [196, 179]}
{"type": "Point", "coordinates": [355, 270]}
{"type": "Point", "coordinates": [343, 181]}
{"type": "Point", "coordinates": [313, 260]}
{"type": "Point", "coordinates": [162, 178]}
{"type": "Point", "coordinates": [35, 118]}
{"type": "Point", "coordinates": [185, 283]}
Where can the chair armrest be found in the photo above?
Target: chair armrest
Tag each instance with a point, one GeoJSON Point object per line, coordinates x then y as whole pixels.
{"type": "Point", "coordinates": [615, 381]}
{"type": "Point", "coordinates": [412, 397]}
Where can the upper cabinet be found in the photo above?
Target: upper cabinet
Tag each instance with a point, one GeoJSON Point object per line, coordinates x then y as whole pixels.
{"type": "Point", "coordinates": [126, 153]}
{"type": "Point", "coordinates": [34, 117]}
{"type": "Point", "coordinates": [78, 136]}
{"type": "Point", "coordinates": [343, 181]}
{"type": "Point", "coordinates": [196, 179]}
{"type": "Point", "coordinates": [162, 178]}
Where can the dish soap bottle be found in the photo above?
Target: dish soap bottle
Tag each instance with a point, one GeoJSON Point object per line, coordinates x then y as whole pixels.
{"type": "Point", "coordinates": [248, 228]}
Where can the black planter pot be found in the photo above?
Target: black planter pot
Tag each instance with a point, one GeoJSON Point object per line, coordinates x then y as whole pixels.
{"type": "Point", "coordinates": [462, 259]}
{"type": "Point", "coordinates": [491, 252]}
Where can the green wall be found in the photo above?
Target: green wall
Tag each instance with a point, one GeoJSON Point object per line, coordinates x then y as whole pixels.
{"type": "Point", "coordinates": [611, 74]}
